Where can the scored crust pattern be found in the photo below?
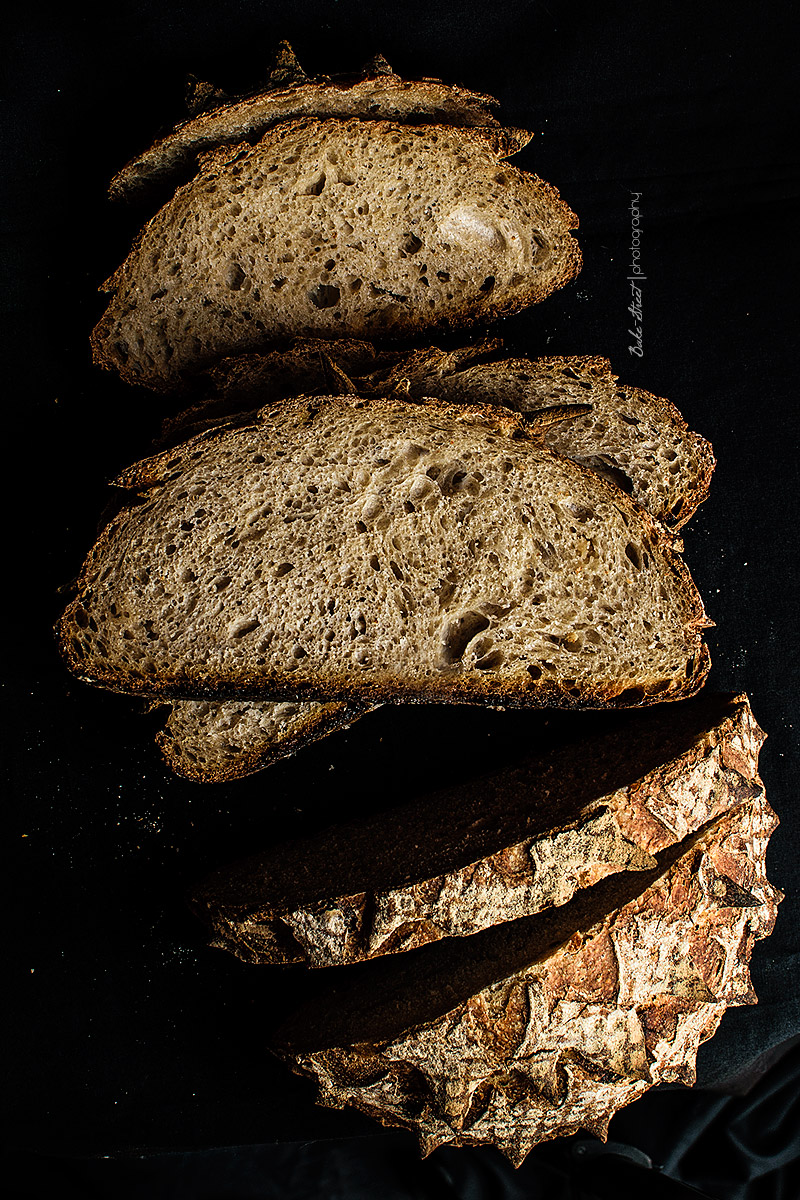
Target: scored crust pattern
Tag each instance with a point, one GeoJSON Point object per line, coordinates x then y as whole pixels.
{"type": "Point", "coordinates": [560, 1046]}
{"type": "Point", "coordinates": [619, 831]}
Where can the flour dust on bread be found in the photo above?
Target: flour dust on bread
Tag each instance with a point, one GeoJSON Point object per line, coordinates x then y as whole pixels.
{"type": "Point", "coordinates": [547, 1026]}
{"type": "Point", "coordinates": [496, 848]}
{"type": "Point", "coordinates": [342, 549]}
{"type": "Point", "coordinates": [376, 93]}
{"type": "Point", "coordinates": [327, 227]}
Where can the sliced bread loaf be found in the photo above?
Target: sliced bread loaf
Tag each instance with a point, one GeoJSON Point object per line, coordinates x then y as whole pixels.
{"type": "Point", "coordinates": [341, 549]}
{"type": "Point", "coordinates": [548, 1025]}
{"type": "Point", "coordinates": [327, 227]}
{"type": "Point", "coordinates": [501, 847]}
{"type": "Point", "coordinates": [377, 93]}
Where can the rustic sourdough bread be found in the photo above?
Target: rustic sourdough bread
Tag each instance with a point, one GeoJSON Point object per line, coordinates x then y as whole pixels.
{"type": "Point", "coordinates": [211, 741]}
{"type": "Point", "coordinates": [340, 549]}
{"type": "Point", "coordinates": [638, 440]}
{"type": "Point", "coordinates": [546, 1026]}
{"type": "Point", "coordinates": [497, 848]}
{"type": "Point", "coordinates": [329, 227]}
{"type": "Point", "coordinates": [377, 93]}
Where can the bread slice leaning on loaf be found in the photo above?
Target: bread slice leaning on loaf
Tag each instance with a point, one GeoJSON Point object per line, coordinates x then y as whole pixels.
{"type": "Point", "coordinates": [638, 440]}
{"type": "Point", "coordinates": [376, 93]}
{"type": "Point", "coordinates": [548, 1025]}
{"type": "Point", "coordinates": [327, 227]}
{"type": "Point", "coordinates": [340, 549]}
{"type": "Point", "coordinates": [502, 846]}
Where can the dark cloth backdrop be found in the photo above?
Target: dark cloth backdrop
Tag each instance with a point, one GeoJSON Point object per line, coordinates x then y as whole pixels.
{"type": "Point", "coordinates": [125, 1033]}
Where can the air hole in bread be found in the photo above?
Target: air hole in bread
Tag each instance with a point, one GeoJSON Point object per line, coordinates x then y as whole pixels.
{"type": "Point", "coordinates": [632, 552]}
{"type": "Point", "coordinates": [458, 633]}
{"type": "Point", "coordinates": [314, 188]}
{"type": "Point", "coordinates": [324, 295]}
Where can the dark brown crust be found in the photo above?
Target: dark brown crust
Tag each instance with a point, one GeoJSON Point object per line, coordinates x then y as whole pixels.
{"type": "Point", "coordinates": [328, 719]}
{"type": "Point", "coordinates": [521, 692]}
{"type": "Point", "coordinates": [564, 264]}
{"type": "Point", "coordinates": [369, 97]}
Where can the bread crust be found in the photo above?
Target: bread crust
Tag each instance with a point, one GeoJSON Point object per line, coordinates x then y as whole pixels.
{"type": "Point", "coordinates": [320, 721]}
{"type": "Point", "coordinates": [558, 1046]}
{"type": "Point", "coordinates": [520, 872]}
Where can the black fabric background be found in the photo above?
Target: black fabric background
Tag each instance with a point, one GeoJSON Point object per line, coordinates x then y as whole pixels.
{"type": "Point", "coordinates": [127, 1034]}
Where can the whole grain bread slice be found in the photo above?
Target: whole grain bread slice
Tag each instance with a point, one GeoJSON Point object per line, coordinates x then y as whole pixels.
{"type": "Point", "coordinates": [215, 742]}
{"type": "Point", "coordinates": [339, 549]}
{"type": "Point", "coordinates": [376, 93]}
{"type": "Point", "coordinates": [638, 440]}
{"type": "Point", "coordinates": [503, 846]}
{"type": "Point", "coordinates": [547, 1025]}
{"type": "Point", "coordinates": [327, 227]}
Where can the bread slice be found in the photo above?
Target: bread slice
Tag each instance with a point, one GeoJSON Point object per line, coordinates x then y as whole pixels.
{"type": "Point", "coordinates": [212, 742]}
{"type": "Point", "coordinates": [638, 440]}
{"type": "Point", "coordinates": [548, 1025]}
{"type": "Point", "coordinates": [501, 847]}
{"type": "Point", "coordinates": [377, 93]}
{"type": "Point", "coordinates": [339, 549]}
{"type": "Point", "coordinates": [327, 227]}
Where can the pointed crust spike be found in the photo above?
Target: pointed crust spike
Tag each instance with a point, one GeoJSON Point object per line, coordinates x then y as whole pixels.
{"type": "Point", "coordinates": [335, 378]}
{"type": "Point", "coordinates": [516, 1152]}
{"type": "Point", "coordinates": [286, 70]}
{"type": "Point", "coordinates": [729, 894]}
{"type": "Point", "coordinates": [377, 65]}
{"type": "Point", "coordinates": [538, 420]}
{"type": "Point", "coordinates": [598, 1127]}
{"type": "Point", "coordinates": [200, 95]}
{"type": "Point", "coordinates": [428, 1142]}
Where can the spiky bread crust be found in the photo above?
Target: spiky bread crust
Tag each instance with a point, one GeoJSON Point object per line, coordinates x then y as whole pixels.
{"type": "Point", "coordinates": [373, 97]}
{"type": "Point", "coordinates": [384, 551]}
{"type": "Point", "coordinates": [508, 845]}
{"type": "Point", "coordinates": [326, 227]}
{"type": "Point", "coordinates": [215, 743]}
{"type": "Point", "coordinates": [561, 1045]}
{"type": "Point", "coordinates": [244, 384]}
